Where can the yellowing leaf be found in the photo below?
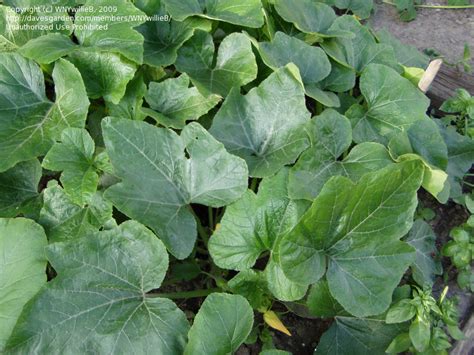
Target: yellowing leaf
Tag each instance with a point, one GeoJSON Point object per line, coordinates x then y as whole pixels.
{"type": "Point", "coordinates": [274, 322]}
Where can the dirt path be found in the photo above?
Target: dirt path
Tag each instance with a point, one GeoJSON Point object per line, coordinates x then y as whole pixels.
{"type": "Point", "coordinates": [444, 30]}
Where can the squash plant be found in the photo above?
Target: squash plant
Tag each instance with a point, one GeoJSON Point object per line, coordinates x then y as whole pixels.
{"type": "Point", "coordinates": [254, 155]}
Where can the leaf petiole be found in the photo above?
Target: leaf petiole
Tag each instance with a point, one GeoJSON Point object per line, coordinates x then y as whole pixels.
{"type": "Point", "coordinates": [184, 294]}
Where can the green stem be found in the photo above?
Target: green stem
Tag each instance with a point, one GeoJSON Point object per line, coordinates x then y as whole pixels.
{"type": "Point", "coordinates": [210, 213]}
{"type": "Point", "coordinates": [201, 230]}
{"type": "Point", "coordinates": [448, 7]}
{"type": "Point", "coordinates": [185, 294]}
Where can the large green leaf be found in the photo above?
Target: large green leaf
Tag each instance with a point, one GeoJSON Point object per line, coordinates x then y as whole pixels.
{"type": "Point", "coordinates": [360, 50]}
{"type": "Point", "coordinates": [105, 74]}
{"type": "Point", "coordinates": [29, 122]}
{"type": "Point", "coordinates": [96, 30]}
{"type": "Point", "coordinates": [159, 181]}
{"type": "Point", "coordinates": [253, 225]}
{"type": "Point", "coordinates": [427, 264]}
{"type": "Point", "coordinates": [393, 105]}
{"type": "Point", "coordinates": [423, 141]}
{"type": "Point", "coordinates": [406, 54]}
{"type": "Point", "coordinates": [130, 106]}
{"type": "Point", "coordinates": [99, 302]}
{"type": "Point", "coordinates": [332, 136]}
{"type": "Point", "coordinates": [357, 235]}
{"type": "Point", "coordinates": [460, 158]}
{"type": "Point", "coordinates": [16, 28]}
{"type": "Point", "coordinates": [341, 78]}
{"type": "Point", "coordinates": [357, 336]}
{"type": "Point", "coordinates": [360, 8]}
{"type": "Point", "coordinates": [74, 156]}
{"type": "Point", "coordinates": [247, 13]}
{"type": "Point", "coordinates": [311, 61]}
{"type": "Point", "coordinates": [234, 66]}
{"type": "Point", "coordinates": [253, 286]}
{"type": "Point", "coordinates": [307, 15]}
{"type": "Point", "coordinates": [19, 187]}
{"type": "Point", "coordinates": [64, 220]}
{"type": "Point", "coordinates": [48, 48]}
{"type": "Point", "coordinates": [320, 301]}
{"type": "Point", "coordinates": [222, 324]}
{"type": "Point", "coordinates": [177, 103]}
{"type": "Point", "coordinates": [266, 127]}
{"type": "Point", "coordinates": [22, 269]}
{"type": "Point", "coordinates": [99, 30]}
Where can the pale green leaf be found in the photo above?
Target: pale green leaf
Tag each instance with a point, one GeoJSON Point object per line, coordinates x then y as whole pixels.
{"type": "Point", "coordinates": [19, 187]}
{"type": "Point", "coordinates": [16, 29]}
{"type": "Point", "coordinates": [343, 229]}
{"type": "Point", "coordinates": [22, 269]}
{"type": "Point", "coordinates": [177, 103]}
{"type": "Point", "coordinates": [64, 220]}
{"type": "Point", "coordinates": [360, 50]}
{"type": "Point", "coordinates": [48, 48]}
{"type": "Point", "coordinates": [393, 105]}
{"type": "Point", "coordinates": [307, 15]}
{"type": "Point", "coordinates": [130, 106]}
{"type": "Point", "coordinates": [246, 13]}
{"type": "Point", "coordinates": [159, 181]}
{"type": "Point", "coordinates": [234, 66]}
{"type": "Point", "coordinates": [266, 127]}
{"type": "Point", "coordinates": [99, 299]}
{"type": "Point", "coordinates": [222, 324]}
{"type": "Point", "coordinates": [105, 74]}
{"type": "Point", "coordinates": [29, 121]}
{"type": "Point", "coordinates": [74, 156]}
{"type": "Point", "coordinates": [312, 62]}
{"type": "Point", "coordinates": [97, 28]}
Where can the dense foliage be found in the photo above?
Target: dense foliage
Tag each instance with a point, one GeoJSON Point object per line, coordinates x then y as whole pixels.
{"type": "Point", "coordinates": [255, 155]}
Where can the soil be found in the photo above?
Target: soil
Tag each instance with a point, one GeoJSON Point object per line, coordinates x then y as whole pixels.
{"type": "Point", "coordinates": [444, 30]}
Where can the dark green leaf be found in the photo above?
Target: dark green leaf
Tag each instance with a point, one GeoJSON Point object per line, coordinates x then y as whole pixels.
{"type": "Point", "coordinates": [177, 103]}
{"type": "Point", "coordinates": [343, 228]}
{"type": "Point", "coordinates": [19, 188]}
{"type": "Point", "coordinates": [247, 13]}
{"type": "Point", "coordinates": [426, 265]}
{"type": "Point", "coordinates": [357, 337]}
{"type": "Point", "coordinates": [221, 325]}
{"type": "Point", "coordinates": [266, 127]}
{"type": "Point", "coordinates": [394, 104]}
{"type": "Point", "coordinates": [331, 134]}
{"type": "Point", "coordinates": [234, 66]}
